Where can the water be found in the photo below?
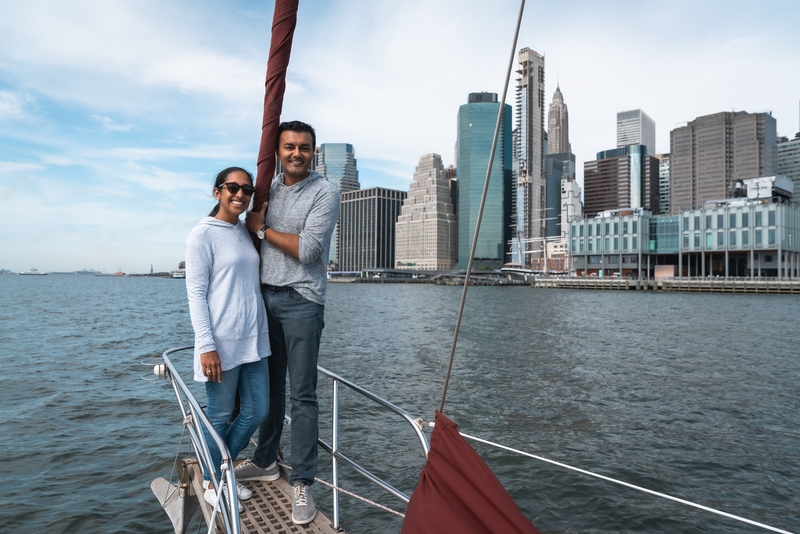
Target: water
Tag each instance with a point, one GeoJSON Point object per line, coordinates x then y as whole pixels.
{"type": "Point", "coordinates": [694, 395]}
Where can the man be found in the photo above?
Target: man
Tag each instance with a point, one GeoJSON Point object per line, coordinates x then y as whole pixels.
{"type": "Point", "coordinates": [296, 235]}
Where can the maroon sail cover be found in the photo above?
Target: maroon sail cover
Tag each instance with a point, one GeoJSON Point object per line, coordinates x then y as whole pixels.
{"type": "Point", "coordinates": [458, 493]}
{"type": "Point", "coordinates": [284, 21]}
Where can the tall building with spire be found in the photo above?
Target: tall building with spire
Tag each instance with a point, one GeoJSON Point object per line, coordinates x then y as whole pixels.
{"type": "Point", "coordinates": [529, 147]}
{"type": "Point", "coordinates": [427, 234]}
{"type": "Point", "coordinates": [337, 163]}
{"type": "Point", "coordinates": [561, 201]}
{"type": "Point", "coordinates": [558, 125]}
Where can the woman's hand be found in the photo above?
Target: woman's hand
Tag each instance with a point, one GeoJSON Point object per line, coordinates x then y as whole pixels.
{"type": "Point", "coordinates": [212, 369]}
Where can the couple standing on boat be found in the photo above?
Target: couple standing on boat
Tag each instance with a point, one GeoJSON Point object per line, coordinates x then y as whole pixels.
{"type": "Point", "coordinates": [257, 317]}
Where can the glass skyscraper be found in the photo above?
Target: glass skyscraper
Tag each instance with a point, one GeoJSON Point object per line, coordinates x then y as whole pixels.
{"type": "Point", "coordinates": [337, 163]}
{"type": "Point", "coordinates": [476, 123]}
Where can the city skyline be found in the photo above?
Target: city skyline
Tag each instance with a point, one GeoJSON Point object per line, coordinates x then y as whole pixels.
{"type": "Point", "coordinates": [114, 118]}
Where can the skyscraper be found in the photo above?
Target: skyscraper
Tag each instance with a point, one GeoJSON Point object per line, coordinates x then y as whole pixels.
{"type": "Point", "coordinates": [367, 228]}
{"type": "Point", "coordinates": [636, 128]}
{"type": "Point", "coordinates": [337, 163]}
{"type": "Point", "coordinates": [663, 183]}
{"type": "Point", "coordinates": [789, 161]}
{"type": "Point", "coordinates": [558, 125]}
{"type": "Point", "coordinates": [621, 178]}
{"type": "Point", "coordinates": [476, 123]}
{"type": "Point", "coordinates": [557, 168]}
{"type": "Point", "coordinates": [426, 236]}
{"type": "Point", "coordinates": [712, 154]}
{"type": "Point", "coordinates": [529, 148]}
{"type": "Point", "coordinates": [571, 207]}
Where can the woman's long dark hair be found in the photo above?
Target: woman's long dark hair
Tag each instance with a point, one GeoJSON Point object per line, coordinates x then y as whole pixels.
{"type": "Point", "coordinates": [221, 177]}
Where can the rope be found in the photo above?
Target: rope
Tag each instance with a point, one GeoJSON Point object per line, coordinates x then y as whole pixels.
{"type": "Point", "coordinates": [480, 210]}
{"type": "Point", "coordinates": [359, 497]}
{"type": "Point", "coordinates": [627, 484]}
{"type": "Point", "coordinates": [168, 493]}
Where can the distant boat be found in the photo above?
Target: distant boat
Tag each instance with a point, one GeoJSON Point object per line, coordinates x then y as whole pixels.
{"type": "Point", "coordinates": [33, 272]}
{"type": "Point", "coordinates": [180, 272]}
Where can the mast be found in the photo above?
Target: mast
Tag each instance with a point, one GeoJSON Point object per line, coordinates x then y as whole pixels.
{"type": "Point", "coordinates": [284, 21]}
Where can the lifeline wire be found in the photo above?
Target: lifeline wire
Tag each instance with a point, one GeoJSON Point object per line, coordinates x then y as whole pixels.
{"type": "Point", "coordinates": [633, 486]}
{"type": "Point", "coordinates": [480, 211]}
{"type": "Point", "coordinates": [354, 495]}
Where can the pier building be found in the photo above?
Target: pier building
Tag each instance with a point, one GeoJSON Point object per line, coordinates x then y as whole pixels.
{"type": "Point", "coordinates": [753, 236]}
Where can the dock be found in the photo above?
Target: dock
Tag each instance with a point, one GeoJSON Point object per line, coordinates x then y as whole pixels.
{"type": "Point", "coordinates": [694, 285]}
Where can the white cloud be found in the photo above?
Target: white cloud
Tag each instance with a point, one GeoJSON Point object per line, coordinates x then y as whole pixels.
{"type": "Point", "coordinates": [12, 105]}
{"type": "Point", "coordinates": [107, 124]}
{"type": "Point", "coordinates": [180, 86]}
{"type": "Point", "coordinates": [16, 167]}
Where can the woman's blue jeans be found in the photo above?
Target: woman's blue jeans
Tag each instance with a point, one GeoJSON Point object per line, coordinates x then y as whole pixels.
{"type": "Point", "coordinates": [252, 381]}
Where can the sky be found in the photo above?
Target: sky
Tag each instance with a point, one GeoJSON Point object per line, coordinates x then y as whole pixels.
{"type": "Point", "coordinates": [116, 116]}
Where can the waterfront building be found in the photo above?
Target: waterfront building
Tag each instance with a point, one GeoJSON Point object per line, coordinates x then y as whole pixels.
{"type": "Point", "coordinates": [636, 128]}
{"type": "Point", "coordinates": [558, 125]}
{"type": "Point", "coordinates": [663, 183]}
{"type": "Point", "coordinates": [476, 124]}
{"type": "Point", "coordinates": [529, 147]}
{"type": "Point", "coordinates": [557, 169]}
{"type": "Point", "coordinates": [753, 236]}
{"type": "Point", "coordinates": [426, 235]}
{"type": "Point", "coordinates": [789, 160]}
{"type": "Point", "coordinates": [713, 154]}
{"type": "Point", "coordinates": [337, 163]}
{"type": "Point", "coordinates": [621, 178]}
{"type": "Point", "coordinates": [367, 228]}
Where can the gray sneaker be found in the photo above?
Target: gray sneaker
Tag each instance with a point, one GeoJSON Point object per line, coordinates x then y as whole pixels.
{"type": "Point", "coordinates": [303, 509]}
{"type": "Point", "coordinates": [247, 470]}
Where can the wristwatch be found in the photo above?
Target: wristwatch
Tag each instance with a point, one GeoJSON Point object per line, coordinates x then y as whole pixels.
{"type": "Point", "coordinates": [260, 233]}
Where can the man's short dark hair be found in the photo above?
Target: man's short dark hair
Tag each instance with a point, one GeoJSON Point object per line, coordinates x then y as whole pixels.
{"type": "Point", "coordinates": [300, 127]}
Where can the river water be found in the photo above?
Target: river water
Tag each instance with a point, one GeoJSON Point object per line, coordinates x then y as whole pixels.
{"type": "Point", "coordinates": [694, 395]}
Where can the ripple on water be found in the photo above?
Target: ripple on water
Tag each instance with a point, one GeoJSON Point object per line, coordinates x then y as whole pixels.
{"type": "Point", "coordinates": [693, 395]}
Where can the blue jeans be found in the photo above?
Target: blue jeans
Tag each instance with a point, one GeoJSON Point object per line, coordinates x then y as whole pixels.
{"type": "Point", "coordinates": [252, 381]}
{"type": "Point", "coordinates": [295, 329]}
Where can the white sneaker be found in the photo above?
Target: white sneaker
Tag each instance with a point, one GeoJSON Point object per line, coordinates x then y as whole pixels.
{"type": "Point", "coordinates": [243, 493]}
{"type": "Point", "coordinates": [210, 496]}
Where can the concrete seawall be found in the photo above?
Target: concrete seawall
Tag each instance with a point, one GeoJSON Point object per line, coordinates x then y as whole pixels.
{"type": "Point", "coordinates": [699, 285]}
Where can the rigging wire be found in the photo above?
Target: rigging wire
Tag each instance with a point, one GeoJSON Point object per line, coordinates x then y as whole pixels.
{"type": "Point", "coordinates": [480, 211]}
{"type": "Point", "coordinates": [627, 484]}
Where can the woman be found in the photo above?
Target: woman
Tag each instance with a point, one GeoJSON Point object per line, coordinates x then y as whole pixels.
{"type": "Point", "coordinates": [229, 319]}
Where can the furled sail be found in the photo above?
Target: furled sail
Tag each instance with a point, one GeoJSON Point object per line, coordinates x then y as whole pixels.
{"type": "Point", "coordinates": [458, 493]}
{"type": "Point", "coordinates": [284, 20]}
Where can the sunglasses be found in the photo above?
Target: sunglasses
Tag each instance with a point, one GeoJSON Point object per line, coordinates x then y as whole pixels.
{"type": "Point", "coordinates": [233, 188]}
